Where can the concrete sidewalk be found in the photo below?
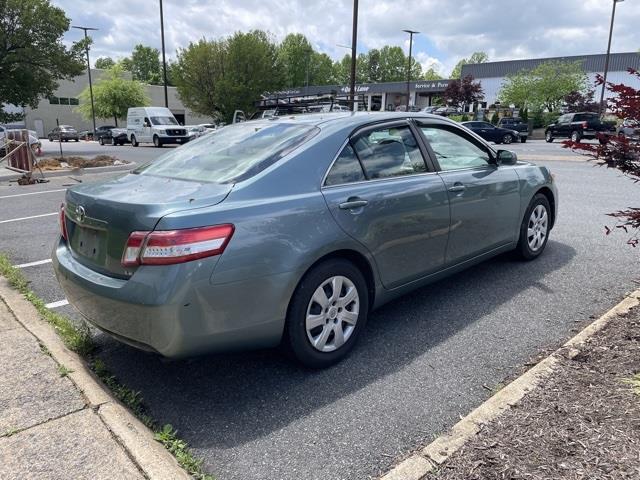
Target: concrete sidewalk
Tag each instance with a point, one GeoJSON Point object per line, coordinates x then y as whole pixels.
{"type": "Point", "coordinates": [46, 428]}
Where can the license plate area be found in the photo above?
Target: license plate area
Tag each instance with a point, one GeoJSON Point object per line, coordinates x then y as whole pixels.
{"type": "Point", "coordinates": [89, 243]}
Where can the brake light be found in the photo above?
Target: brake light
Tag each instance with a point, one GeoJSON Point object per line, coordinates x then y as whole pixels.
{"type": "Point", "coordinates": [63, 223]}
{"type": "Point", "coordinates": [585, 125]}
{"type": "Point", "coordinates": [166, 247]}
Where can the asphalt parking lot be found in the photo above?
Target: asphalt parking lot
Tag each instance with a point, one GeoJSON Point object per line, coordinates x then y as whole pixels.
{"type": "Point", "coordinates": [425, 359]}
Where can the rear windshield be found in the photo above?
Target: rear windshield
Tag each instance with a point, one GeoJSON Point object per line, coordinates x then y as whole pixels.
{"type": "Point", "coordinates": [231, 154]}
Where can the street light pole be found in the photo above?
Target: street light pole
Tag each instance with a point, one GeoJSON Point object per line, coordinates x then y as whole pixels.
{"type": "Point", "coordinates": [606, 61]}
{"type": "Point", "coordinates": [354, 40]}
{"type": "Point", "coordinates": [410, 32]}
{"type": "Point", "coordinates": [164, 59]}
{"type": "Point", "coordinates": [93, 111]}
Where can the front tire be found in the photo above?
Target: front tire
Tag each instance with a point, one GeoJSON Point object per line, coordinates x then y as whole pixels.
{"type": "Point", "coordinates": [101, 141]}
{"type": "Point", "coordinates": [327, 312]}
{"type": "Point", "coordinates": [156, 141]}
{"type": "Point", "coordinates": [507, 139]}
{"type": "Point", "coordinates": [535, 228]}
{"type": "Point", "coordinates": [134, 141]}
{"type": "Point", "coordinates": [548, 136]}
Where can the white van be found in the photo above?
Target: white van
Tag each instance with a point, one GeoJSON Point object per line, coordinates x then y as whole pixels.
{"type": "Point", "coordinates": [155, 125]}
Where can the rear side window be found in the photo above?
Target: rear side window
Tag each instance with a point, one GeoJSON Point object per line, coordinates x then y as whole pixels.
{"type": "Point", "coordinates": [346, 168]}
{"type": "Point", "coordinates": [581, 117]}
{"type": "Point", "coordinates": [231, 154]}
{"type": "Point", "coordinates": [389, 152]}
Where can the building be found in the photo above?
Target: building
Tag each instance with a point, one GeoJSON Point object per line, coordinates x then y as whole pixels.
{"type": "Point", "coordinates": [377, 96]}
{"type": "Point", "coordinates": [60, 108]}
{"type": "Point", "coordinates": [493, 74]}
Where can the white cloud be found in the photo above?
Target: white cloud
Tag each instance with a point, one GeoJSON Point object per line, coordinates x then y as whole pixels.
{"type": "Point", "coordinates": [505, 30]}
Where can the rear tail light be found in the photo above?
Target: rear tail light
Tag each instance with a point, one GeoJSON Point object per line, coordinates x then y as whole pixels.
{"type": "Point", "coordinates": [63, 223]}
{"type": "Point", "coordinates": [166, 247]}
{"type": "Point", "coordinates": [585, 125]}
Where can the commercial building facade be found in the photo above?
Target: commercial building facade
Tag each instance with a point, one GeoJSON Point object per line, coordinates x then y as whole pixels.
{"type": "Point", "coordinates": [61, 107]}
{"type": "Point", "coordinates": [492, 75]}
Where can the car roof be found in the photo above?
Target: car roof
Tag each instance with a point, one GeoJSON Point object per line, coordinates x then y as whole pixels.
{"type": "Point", "coordinates": [345, 119]}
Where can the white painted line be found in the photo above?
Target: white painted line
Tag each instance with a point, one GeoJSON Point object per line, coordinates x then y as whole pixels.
{"type": "Point", "coordinates": [28, 218]}
{"type": "Point", "coordinates": [33, 264]}
{"type": "Point", "coordinates": [60, 303]}
{"type": "Point", "coordinates": [33, 193]}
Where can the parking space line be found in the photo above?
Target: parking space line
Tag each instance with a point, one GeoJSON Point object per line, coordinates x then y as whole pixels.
{"type": "Point", "coordinates": [33, 193]}
{"type": "Point", "coordinates": [59, 303]}
{"type": "Point", "coordinates": [33, 264]}
{"type": "Point", "coordinates": [28, 218]}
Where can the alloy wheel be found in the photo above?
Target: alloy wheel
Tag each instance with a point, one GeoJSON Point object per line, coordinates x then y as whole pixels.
{"type": "Point", "coordinates": [332, 314]}
{"type": "Point", "coordinates": [507, 139]}
{"type": "Point", "coordinates": [538, 228]}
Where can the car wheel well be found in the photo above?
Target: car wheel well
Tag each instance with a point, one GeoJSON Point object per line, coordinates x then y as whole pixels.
{"type": "Point", "coordinates": [552, 203]}
{"type": "Point", "coordinates": [360, 261]}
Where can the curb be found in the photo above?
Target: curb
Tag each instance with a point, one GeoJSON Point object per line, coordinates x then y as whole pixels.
{"type": "Point", "coordinates": [81, 171]}
{"type": "Point", "coordinates": [437, 452]}
{"type": "Point", "coordinates": [150, 456]}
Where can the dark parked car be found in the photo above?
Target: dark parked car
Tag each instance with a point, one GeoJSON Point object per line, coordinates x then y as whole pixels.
{"type": "Point", "coordinates": [577, 126]}
{"type": "Point", "coordinates": [63, 133]}
{"type": "Point", "coordinates": [491, 133]}
{"type": "Point", "coordinates": [630, 129]}
{"type": "Point", "coordinates": [515, 123]}
{"type": "Point", "coordinates": [101, 132]}
{"type": "Point", "coordinates": [115, 136]}
{"type": "Point", "coordinates": [292, 229]}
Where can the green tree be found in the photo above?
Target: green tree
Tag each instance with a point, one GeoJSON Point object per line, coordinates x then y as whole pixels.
{"type": "Point", "coordinates": [368, 66]}
{"type": "Point", "coordinates": [476, 57]}
{"type": "Point", "coordinates": [431, 74]}
{"type": "Point", "coordinates": [342, 70]}
{"type": "Point", "coordinates": [295, 56]}
{"type": "Point", "coordinates": [32, 55]}
{"type": "Point", "coordinates": [545, 86]}
{"type": "Point", "coordinates": [393, 64]}
{"type": "Point", "coordinates": [113, 95]}
{"type": "Point", "coordinates": [249, 71]}
{"type": "Point", "coordinates": [145, 65]}
{"type": "Point", "coordinates": [104, 63]}
{"type": "Point", "coordinates": [197, 73]}
{"type": "Point", "coordinates": [321, 69]}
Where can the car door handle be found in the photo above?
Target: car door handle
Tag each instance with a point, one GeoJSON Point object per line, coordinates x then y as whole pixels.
{"type": "Point", "coordinates": [457, 188]}
{"type": "Point", "coordinates": [352, 203]}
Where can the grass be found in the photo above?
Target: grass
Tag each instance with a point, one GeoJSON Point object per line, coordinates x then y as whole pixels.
{"type": "Point", "coordinates": [75, 338]}
{"type": "Point", "coordinates": [79, 340]}
{"type": "Point", "coordinates": [634, 382]}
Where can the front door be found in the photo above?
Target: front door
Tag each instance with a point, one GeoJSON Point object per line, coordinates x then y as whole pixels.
{"type": "Point", "coordinates": [381, 193]}
{"type": "Point", "coordinates": [484, 197]}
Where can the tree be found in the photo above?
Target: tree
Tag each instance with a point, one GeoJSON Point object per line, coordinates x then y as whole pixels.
{"type": "Point", "coordinates": [321, 69]}
{"type": "Point", "coordinates": [463, 92]}
{"type": "Point", "coordinates": [431, 74]}
{"type": "Point", "coordinates": [295, 57]}
{"type": "Point", "coordinates": [342, 70]}
{"type": "Point", "coordinates": [113, 95]}
{"type": "Point", "coordinates": [197, 72]}
{"type": "Point", "coordinates": [476, 57]}
{"type": "Point", "coordinates": [581, 101]}
{"type": "Point", "coordinates": [104, 63]}
{"type": "Point", "coordinates": [145, 65]}
{"type": "Point", "coordinates": [32, 55]}
{"type": "Point", "coordinates": [393, 64]}
{"type": "Point", "coordinates": [619, 152]}
{"type": "Point", "coordinates": [368, 66]}
{"type": "Point", "coordinates": [545, 86]}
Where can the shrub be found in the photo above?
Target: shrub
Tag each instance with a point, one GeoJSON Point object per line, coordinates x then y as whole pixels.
{"type": "Point", "coordinates": [495, 118]}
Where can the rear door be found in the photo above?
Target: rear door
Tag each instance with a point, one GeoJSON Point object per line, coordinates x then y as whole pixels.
{"type": "Point", "coordinates": [382, 193]}
{"type": "Point", "coordinates": [484, 198]}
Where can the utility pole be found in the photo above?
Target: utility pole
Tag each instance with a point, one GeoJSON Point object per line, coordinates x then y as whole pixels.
{"type": "Point", "coordinates": [93, 111]}
{"type": "Point", "coordinates": [354, 41]}
{"type": "Point", "coordinates": [410, 32]}
{"type": "Point", "coordinates": [606, 61]}
{"type": "Point", "coordinates": [164, 59]}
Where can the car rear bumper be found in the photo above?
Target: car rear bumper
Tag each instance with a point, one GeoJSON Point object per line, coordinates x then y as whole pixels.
{"type": "Point", "coordinates": [175, 310]}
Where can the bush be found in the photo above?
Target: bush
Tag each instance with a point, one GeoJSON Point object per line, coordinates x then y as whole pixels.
{"type": "Point", "coordinates": [465, 118]}
{"type": "Point", "coordinates": [456, 118]}
{"type": "Point", "coordinates": [524, 115]}
{"type": "Point", "coordinates": [495, 118]}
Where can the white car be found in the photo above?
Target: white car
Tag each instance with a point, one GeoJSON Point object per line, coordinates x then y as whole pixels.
{"type": "Point", "coordinates": [155, 125]}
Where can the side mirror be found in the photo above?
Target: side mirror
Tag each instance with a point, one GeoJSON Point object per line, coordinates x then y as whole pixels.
{"type": "Point", "coordinates": [507, 157]}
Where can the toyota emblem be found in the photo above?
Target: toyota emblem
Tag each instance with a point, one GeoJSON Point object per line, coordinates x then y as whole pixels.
{"type": "Point", "coordinates": [81, 213]}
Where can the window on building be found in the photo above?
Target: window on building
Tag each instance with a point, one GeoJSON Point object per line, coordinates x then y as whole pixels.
{"type": "Point", "coordinates": [64, 101]}
{"type": "Point", "coordinates": [54, 100]}
{"type": "Point", "coordinates": [74, 101]}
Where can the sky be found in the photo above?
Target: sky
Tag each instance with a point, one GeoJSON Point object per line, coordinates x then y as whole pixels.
{"type": "Point", "coordinates": [450, 29]}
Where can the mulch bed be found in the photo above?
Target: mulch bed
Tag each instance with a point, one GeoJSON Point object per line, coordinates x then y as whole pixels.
{"type": "Point", "coordinates": [583, 422]}
{"type": "Point", "coordinates": [58, 163]}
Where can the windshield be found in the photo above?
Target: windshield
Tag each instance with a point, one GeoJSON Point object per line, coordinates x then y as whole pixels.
{"type": "Point", "coordinates": [163, 121]}
{"type": "Point", "coordinates": [231, 154]}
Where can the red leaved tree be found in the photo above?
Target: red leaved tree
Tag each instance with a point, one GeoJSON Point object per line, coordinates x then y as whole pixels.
{"type": "Point", "coordinates": [619, 151]}
{"type": "Point", "coordinates": [463, 92]}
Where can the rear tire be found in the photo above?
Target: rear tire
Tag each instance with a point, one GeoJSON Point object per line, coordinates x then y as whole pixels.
{"type": "Point", "coordinates": [523, 139]}
{"type": "Point", "coordinates": [134, 141]}
{"type": "Point", "coordinates": [576, 136]}
{"type": "Point", "coordinates": [317, 313]}
{"type": "Point", "coordinates": [101, 141]}
{"type": "Point", "coordinates": [548, 136]}
{"type": "Point", "coordinates": [535, 228]}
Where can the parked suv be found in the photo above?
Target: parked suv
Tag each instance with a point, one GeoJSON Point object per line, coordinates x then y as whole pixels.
{"type": "Point", "coordinates": [630, 129]}
{"type": "Point", "coordinates": [515, 123]}
{"type": "Point", "coordinates": [63, 133]}
{"type": "Point", "coordinates": [577, 126]}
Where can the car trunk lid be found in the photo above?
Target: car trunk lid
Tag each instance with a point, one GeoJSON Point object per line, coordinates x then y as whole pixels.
{"type": "Point", "coordinates": [100, 217]}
